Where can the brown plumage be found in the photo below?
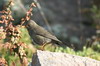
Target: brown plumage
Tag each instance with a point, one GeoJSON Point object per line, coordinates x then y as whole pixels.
{"type": "Point", "coordinates": [40, 35]}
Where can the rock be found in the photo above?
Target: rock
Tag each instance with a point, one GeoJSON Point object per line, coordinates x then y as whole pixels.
{"type": "Point", "coordinates": [46, 58]}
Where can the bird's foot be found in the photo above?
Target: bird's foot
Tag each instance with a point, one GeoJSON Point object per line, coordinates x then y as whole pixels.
{"type": "Point", "coordinates": [43, 47]}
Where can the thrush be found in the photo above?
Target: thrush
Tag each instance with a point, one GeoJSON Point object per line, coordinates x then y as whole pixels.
{"type": "Point", "coordinates": [40, 35]}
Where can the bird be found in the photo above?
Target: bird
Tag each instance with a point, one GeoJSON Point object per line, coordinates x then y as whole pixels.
{"type": "Point", "coordinates": [40, 35]}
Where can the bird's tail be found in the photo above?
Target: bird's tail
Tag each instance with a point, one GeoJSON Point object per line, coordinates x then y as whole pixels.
{"type": "Point", "coordinates": [60, 44]}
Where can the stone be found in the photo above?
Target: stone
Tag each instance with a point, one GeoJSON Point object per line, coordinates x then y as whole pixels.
{"type": "Point", "coordinates": [46, 58]}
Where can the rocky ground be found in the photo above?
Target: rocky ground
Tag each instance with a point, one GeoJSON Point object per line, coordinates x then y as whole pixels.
{"type": "Point", "coordinates": [46, 58]}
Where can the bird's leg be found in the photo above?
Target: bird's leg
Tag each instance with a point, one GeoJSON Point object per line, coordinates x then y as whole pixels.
{"type": "Point", "coordinates": [43, 46]}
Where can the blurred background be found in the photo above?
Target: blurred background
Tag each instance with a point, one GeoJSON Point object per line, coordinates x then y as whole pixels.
{"type": "Point", "coordinates": [74, 22]}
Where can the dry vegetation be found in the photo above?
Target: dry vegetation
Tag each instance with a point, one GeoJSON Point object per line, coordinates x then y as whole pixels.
{"type": "Point", "coordinates": [15, 41]}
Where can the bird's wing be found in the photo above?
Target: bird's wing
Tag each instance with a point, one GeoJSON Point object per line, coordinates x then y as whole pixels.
{"type": "Point", "coordinates": [43, 32]}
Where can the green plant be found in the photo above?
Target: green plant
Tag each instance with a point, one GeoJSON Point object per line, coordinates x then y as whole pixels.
{"type": "Point", "coordinates": [86, 52]}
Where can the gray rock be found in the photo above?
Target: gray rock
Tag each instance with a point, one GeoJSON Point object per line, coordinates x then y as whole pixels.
{"type": "Point", "coordinates": [46, 58]}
